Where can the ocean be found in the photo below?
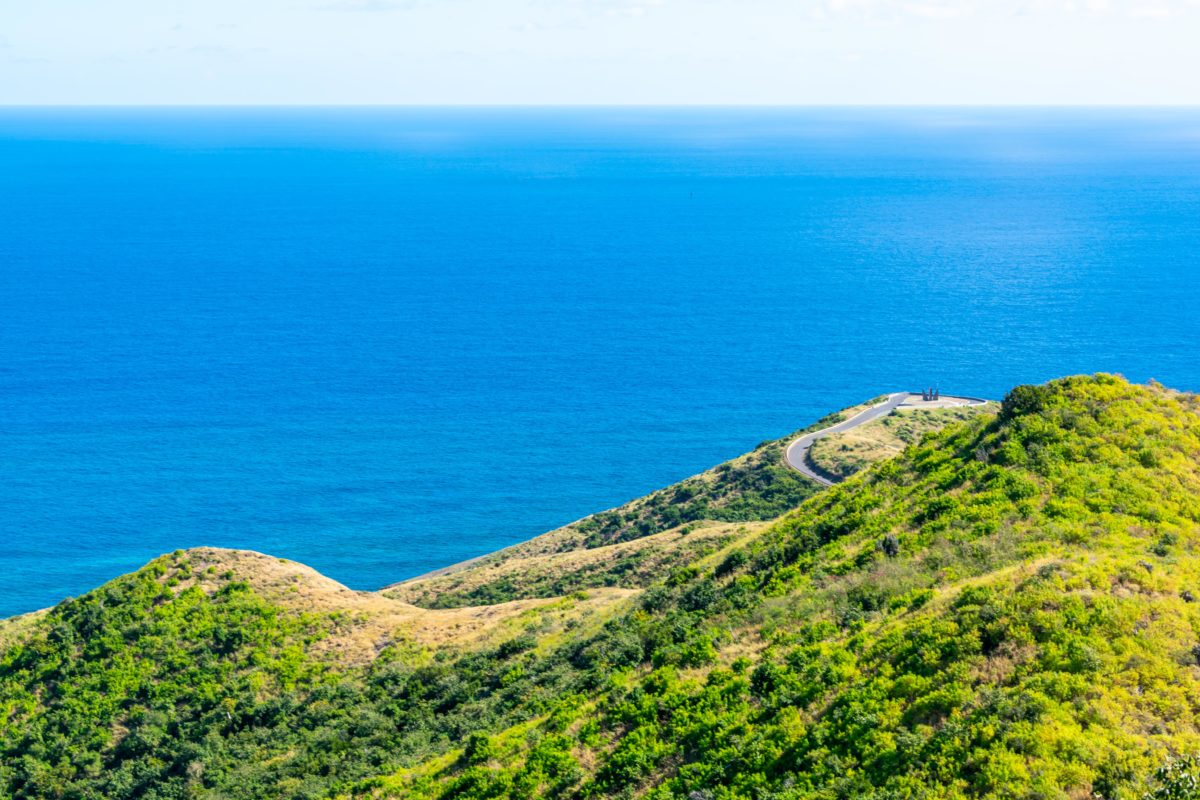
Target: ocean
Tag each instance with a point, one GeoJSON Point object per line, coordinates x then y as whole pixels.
{"type": "Point", "coordinates": [380, 341]}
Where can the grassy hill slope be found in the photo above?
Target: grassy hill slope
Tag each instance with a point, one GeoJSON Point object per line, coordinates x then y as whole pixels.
{"type": "Point", "coordinates": [1006, 609]}
{"type": "Point", "coordinates": [530, 573]}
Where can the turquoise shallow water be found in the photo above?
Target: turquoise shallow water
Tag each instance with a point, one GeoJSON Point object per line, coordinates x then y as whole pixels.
{"type": "Point", "coordinates": [381, 341]}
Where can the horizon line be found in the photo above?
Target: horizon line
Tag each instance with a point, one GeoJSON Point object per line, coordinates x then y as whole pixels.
{"type": "Point", "coordinates": [585, 106]}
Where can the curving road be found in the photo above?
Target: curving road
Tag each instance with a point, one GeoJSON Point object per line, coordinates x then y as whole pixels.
{"type": "Point", "coordinates": [796, 454]}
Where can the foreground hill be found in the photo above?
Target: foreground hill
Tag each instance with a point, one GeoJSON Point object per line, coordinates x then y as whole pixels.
{"type": "Point", "coordinates": [1004, 609]}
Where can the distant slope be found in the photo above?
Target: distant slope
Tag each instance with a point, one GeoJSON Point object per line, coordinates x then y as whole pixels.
{"type": "Point", "coordinates": [1007, 609]}
{"type": "Point", "coordinates": [528, 573]}
{"type": "Point", "coordinates": [629, 547]}
{"type": "Point", "coordinates": [753, 487]}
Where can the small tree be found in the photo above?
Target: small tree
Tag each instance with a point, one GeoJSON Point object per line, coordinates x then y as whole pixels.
{"type": "Point", "coordinates": [1178, 779]}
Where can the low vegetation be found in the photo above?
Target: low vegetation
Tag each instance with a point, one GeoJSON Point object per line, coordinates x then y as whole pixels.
{"type": "Point", "coordinates": [1006, 609]}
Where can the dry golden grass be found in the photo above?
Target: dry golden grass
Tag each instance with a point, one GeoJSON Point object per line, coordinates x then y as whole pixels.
{"type": "Point", "coordinates": [15, 628]}
{"type": "Point", "coordinates": [539, 564]}
{"type": "Point", "coordinates": [371, 620]}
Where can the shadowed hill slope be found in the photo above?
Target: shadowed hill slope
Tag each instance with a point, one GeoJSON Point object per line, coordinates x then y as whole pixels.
{"type": "Point", "coordinates": [1006, 609]}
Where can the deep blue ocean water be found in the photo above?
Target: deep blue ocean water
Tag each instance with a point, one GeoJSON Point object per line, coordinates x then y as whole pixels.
{"type": "Point", "coordinates": [381, 341]}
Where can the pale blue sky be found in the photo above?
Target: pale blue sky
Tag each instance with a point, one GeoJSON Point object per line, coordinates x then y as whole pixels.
{"type": "Point", "coordinates": [600, 51]}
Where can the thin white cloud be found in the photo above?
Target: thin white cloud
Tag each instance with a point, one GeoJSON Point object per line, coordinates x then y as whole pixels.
{"type": "Point", "coordinates": [614, 51]}
{"type": "Point", "coordinates": [1152, 12]}
{"type": "Point", "coordinates": [610, 8]}
{"type": "Point", "coordinates": [633, 8]}
{"type": "Point", "coordinates": [958, 9]}
{"type": "Point", "coordinates": [371, 6]}
{"type": "Point", "coordinates": [935, 10]}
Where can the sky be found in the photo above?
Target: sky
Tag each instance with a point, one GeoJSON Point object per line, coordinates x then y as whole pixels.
{"type": "Point", "coordinates": [600, 52]}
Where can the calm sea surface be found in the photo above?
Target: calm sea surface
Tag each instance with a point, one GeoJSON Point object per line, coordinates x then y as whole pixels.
{"type": "Point", "coordinates": [381, 341]}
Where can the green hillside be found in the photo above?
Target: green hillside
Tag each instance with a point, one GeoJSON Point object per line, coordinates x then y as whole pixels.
{"type": "Point", "coordinates": [1005, 609]}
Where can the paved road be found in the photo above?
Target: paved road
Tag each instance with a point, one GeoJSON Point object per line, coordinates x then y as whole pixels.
{"type": "Point", "coordinates": [797, 452]}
